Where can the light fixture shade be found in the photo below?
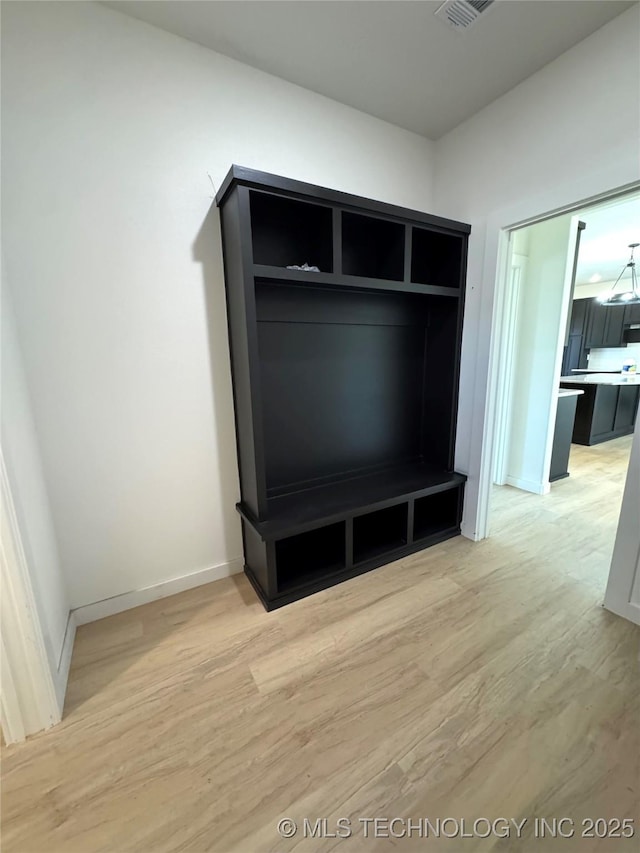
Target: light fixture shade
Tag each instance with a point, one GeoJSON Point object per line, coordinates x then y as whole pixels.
{"type": "Point", "coordinates": [626, 297]}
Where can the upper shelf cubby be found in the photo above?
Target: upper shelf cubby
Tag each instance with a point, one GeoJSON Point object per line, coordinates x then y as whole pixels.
{"type": "Point", "coordinates": [372, 248]}
{"type": "Point", "coordinates": [288, 232]}
{"type": "Point", "coordinates": [436, 258]}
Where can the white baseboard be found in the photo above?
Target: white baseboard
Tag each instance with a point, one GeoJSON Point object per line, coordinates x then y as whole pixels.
{"type": "Point", "coordinates": [64, 662]}
{"type": "Point", "coordinates": [127, 600]}
{"type": "Point", "coordinates": [529, 485]}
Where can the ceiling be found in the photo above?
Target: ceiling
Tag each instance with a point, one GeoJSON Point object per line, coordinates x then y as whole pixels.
{"type": "Point", "coordinates": [604, 242]}
{"type": "Point", "coordinates": [393, 59]}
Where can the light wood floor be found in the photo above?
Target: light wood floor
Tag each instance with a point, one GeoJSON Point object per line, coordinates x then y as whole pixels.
{"type": "Point", "coordinates": [472, 680]}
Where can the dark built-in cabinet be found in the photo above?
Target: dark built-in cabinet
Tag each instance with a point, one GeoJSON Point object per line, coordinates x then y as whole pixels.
{"type": "Point", "coordinates": [604, 325]}
{"type": "Point", "coordinates": [592, 326]}
{"type": "Point", "coordinates": [632, 315]}
{"type": "Point", "coordinates": [575, 351]}
{"type": "Point", "coordinates": [345, 379]}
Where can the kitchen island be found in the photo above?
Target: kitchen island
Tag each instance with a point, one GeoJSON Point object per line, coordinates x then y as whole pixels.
{"type": "Point", "coordinates": [608, 407]}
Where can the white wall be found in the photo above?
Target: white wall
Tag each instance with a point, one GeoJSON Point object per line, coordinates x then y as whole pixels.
{"type": "Point", "coordinates": [591, 291]}
{"type": "Point", "coordinates": [554, 139]}
{"type": "Point", "coordinates": [21, 454]}
{"type": "Point", "coordinates": [110, 129]}
{"type": "Point", "coordinates": [539, 339]}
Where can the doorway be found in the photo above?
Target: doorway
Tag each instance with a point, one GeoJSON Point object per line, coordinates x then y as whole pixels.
{"type": "Point", "coordinates": [535, 292]}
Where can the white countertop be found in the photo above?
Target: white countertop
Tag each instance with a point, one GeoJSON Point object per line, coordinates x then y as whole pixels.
{"type": "Point", "coordinates": [569, 392]}
{"type": "Point", "coordinates": [603, 379]}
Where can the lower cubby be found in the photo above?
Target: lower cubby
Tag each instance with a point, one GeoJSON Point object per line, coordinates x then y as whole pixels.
{"type": "Point", "coordinates": [286, 564]}
{"type": "Point", "coordinates": [303, 559]}
{"type": "Point", "coordinates": [379, 532]}
{"type": "Point", "coordinates": [434, 514]}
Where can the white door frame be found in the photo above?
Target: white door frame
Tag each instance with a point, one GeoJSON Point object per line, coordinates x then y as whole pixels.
{"type": "Point", "coordinates": [517, 270]}
{"type": "Point", "coordinates": [28, 701]}
{"type": "Point", "coordinates": [606, 183]}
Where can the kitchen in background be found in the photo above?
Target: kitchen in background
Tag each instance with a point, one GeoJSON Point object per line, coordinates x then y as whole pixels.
{"type": "Point", "coordinates": [558, 342]}
{"type": "Point", "coordinates": [602, 347]}
{"type": "Point", "coordinates": [565, 408]}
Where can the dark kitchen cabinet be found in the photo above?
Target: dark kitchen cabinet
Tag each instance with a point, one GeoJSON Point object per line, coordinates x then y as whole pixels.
{"type": "Point", "coordinates": [578, 317]}
{"type": "Point", "coordinates": [605, 325]}
{"type": "Point", "coordinates": [604, 411]}
{"type": "Point", "coordinates": [632, 315]}
{"type": "Point", "coordinates": [626, 408]}
{"type": "Point", "coordinates": [595, 326]}
{"type": "Point", "coordinates": [575, 352]}
{"type": "Point", "coordinates": [345, 379]}
{"type": "Point", "coordinates": [575, 355]}
{"type": "Point", "coordinates": [614, 326]}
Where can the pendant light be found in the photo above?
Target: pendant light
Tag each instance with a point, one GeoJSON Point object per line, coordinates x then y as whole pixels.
{"type": "Point", "coordinates": [627, 297]}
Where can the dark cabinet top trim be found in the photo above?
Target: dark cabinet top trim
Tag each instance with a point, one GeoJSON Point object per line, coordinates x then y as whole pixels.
{"type": "Point", "coordinates": [239, 175]}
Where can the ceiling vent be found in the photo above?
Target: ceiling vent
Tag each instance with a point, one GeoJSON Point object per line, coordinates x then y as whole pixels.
{"type": "Point", "coordinates": [461, 14]}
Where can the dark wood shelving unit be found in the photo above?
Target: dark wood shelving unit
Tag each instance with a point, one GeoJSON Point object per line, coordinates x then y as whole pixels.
{"type": "Point", "coordinates": [345, 380]}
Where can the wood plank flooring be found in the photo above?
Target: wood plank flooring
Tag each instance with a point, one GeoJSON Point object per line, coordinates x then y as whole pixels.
{"type": "Point", "coordinates": [472, 680]}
